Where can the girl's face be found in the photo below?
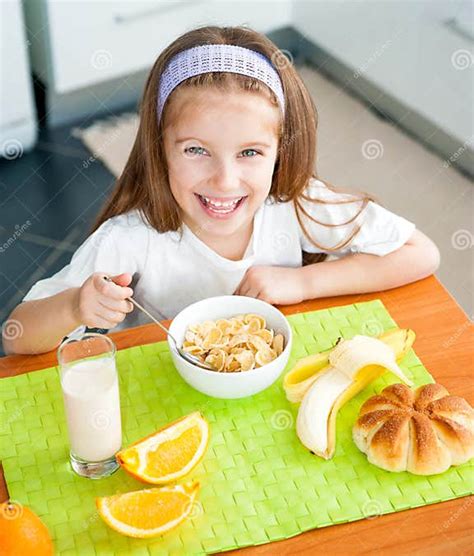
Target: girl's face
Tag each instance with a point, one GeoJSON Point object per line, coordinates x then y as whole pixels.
{"type": "Point", "coordinates": [221, 151]}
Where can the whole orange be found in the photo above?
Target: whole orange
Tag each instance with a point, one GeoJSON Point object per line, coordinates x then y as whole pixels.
{"type": "Point", "coordinates": [22, 532]}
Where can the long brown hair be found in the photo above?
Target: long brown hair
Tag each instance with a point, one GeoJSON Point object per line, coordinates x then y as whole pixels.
{"type": "Point", "coordinates": [144, 184]}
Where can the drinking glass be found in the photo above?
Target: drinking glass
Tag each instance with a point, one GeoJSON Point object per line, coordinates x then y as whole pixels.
{"type": "Point", "coordinates": [90, 388]}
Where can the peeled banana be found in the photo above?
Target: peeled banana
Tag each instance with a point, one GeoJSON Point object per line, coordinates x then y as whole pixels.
{"type": "Point", "coordinates": [324, 382]}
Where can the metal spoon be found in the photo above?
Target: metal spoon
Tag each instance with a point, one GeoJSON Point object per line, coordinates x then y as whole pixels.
{"type": "Point", "coordinates": [187, 356]}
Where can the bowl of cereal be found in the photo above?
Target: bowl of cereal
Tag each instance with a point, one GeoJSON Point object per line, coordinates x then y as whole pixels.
{"type": "Point", "coordinates": [246, 340]}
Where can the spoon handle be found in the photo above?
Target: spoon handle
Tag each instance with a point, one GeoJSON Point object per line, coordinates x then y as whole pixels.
{"type": "Point", "coordinates": [189, 357]}
{"type": "Point", "coordinates": [144, 310]}
{"type": "Point", "coordinates": [147, 313]}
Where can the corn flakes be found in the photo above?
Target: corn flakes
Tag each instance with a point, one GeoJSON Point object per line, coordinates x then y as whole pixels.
{"type": "Point", "coordinates": [237, 344]}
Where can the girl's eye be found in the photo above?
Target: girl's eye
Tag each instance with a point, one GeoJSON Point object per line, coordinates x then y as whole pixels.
{"type": "Point", "coordinates": [191, 151]}
{"type": "Point", "coordinates": [250, 151]}
{"type": "Point", "coordinates": [199, 150]}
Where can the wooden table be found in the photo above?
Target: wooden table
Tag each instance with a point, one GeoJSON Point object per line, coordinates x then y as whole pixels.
{"type": "Point", "coordinates": [445, 344]}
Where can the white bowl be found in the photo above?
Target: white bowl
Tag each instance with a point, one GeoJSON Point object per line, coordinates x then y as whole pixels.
{"type": "Point", "coordinates": [231, 384]}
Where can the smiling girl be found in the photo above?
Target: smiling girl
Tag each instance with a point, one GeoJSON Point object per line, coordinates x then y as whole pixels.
{"type": "Point", "coordinates": [220, 196]}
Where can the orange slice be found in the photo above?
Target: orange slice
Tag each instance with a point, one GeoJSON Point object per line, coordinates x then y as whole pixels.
{"type": "Point", "coordinates": [150, 512]}
{"type": "Point", "coordinates": [168, 454]}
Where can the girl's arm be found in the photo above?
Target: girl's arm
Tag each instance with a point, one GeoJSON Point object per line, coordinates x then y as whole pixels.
{"type": "Point", "coordinates": [39, 325]}
{"type": "Point", "coordinates": [352, 274]}
{"type": "Point", "coordinates": [360, 273]}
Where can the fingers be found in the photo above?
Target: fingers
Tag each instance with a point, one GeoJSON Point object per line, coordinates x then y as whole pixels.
{"type": "Point", "coordinates": [113, 307]}
{"type": "Point", "coordinates": [249, 285]}
{"type": "Point", "coordinates": [240, 288]}
{"type": "Point", "coordinates": [102, 303]}
{"type": "Point", "coordinates": [100, 322]}
{"type": "Point", "coordinates": [123, 279]}
{"type": "Point", "coordinates": [112, 311]}
{"type": "Point", "coordinates": [111, 317]}
{"type": "Point", "coordinates": [253, 293]}
{"type": "Point", "coordinates": [111, 289]}
{"type": "Point", "coordinates": [121, 306]}
{"type": "Point", "coordinates": [249, 291]}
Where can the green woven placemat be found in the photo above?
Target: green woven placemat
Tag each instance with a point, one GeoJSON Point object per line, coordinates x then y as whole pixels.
{"type": "Point", "coordinates": [259, 484]}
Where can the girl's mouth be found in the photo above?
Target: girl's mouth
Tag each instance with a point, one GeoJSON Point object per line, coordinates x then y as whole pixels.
{"type": "Point", "coordinates": [220, 210]}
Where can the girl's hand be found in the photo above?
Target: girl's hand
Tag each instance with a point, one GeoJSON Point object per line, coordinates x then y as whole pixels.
{"type": "Point", "coordinates": [102, 304]}
{"type": "Point", "coordinates": [277, 285]}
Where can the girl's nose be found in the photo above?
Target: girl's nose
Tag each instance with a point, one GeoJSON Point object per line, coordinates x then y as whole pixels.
{"type": "Point", "coordinates": [226, 178]}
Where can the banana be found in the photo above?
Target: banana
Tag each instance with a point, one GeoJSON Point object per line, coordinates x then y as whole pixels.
{"type": "Point", "coordinates": [300, 378]}
{"type": "Point", "coordinates": [326, 381]}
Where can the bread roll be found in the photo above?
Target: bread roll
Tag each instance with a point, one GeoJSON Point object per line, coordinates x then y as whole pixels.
{"type": "Point", "coordinates": [423, 431]}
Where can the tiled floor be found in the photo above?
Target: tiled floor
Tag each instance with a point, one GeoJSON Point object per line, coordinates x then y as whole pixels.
{"type": "Point", "coordinates": [47, 206]}
{"type": "Point", "coordinates": [49, 197]}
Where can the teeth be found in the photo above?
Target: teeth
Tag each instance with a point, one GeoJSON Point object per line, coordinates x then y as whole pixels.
{"type": "Point", "coordinates": [222, 205]}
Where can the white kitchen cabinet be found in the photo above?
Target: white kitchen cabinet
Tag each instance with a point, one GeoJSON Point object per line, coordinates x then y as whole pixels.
{"type": "Point", "coordinates": [81, 43]}
{"type": "Point", "coordinates": [18, 129]}
{"type": "Point", "coordinates": [412, 60]}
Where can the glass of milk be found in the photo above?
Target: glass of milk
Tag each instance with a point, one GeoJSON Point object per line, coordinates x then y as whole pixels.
{"type": "Point", "coordinates": [89, 383]}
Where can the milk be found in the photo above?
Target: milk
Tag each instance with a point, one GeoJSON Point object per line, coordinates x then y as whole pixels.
{"type": "Point", "coordinates": [92, 404]}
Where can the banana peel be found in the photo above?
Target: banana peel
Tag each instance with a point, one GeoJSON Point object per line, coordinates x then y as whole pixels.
{"type": "Point", "coordinates": [300, 378]}
{"type": "Point", "coordinates": [324, 382]}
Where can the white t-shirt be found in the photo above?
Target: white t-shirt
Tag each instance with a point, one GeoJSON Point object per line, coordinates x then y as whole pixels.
{"type": "Point", "coordinates": [169, 273]}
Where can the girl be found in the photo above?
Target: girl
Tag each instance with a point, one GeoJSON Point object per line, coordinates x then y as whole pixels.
{"type": "Point", "coordinates": [219, 196]}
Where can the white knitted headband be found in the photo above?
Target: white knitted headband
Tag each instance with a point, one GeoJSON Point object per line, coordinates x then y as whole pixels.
{"type": "Point", "coordinates": [218, 57]}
